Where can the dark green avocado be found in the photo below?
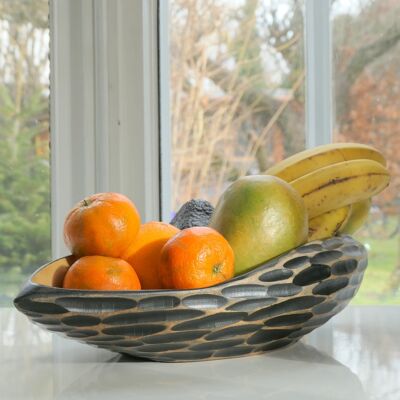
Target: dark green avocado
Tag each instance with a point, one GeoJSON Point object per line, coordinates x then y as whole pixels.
{"type": "Point", "coordinates": [195, 212]}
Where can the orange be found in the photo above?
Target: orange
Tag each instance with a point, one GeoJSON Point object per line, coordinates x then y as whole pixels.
{"type": "Point", "coordinates": [144, 253]}
{"type": "Point", "coordinates": [101, 273]}
{"type": "Point", "coordinates": [103, 224]}
{"type": "Point", "coordinates": [194, 258]}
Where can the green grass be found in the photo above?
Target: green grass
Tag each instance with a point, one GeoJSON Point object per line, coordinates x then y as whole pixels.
{"type": "Point", "coordinates": [383, 256]}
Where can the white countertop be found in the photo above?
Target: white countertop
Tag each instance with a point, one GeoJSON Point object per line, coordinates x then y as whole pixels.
{"type": "Point", "coordinates": [355, 356]}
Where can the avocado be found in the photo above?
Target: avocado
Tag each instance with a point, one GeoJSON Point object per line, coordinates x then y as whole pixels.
{"type": "Point", "coordinates": [261, 217]}
{"type": "Point", "coordinates": [195, 212]}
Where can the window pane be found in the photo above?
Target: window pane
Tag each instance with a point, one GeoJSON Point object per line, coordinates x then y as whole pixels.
{"type": "Point", "coordinates": [237, 91]}
{"type": "Point", "coordinates": [366, 45]}
{"type": "Point", "coordinates": [24, 134]}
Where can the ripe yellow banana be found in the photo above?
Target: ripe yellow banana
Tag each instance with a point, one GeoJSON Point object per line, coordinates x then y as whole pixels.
{"type": "Point", "coordinates": [341, 184]}
{"type": "Point", "coordinates": [357, 218]}
{"type": "Point", "coordinates": [328, 224]}
{"type": "Point", "coordinates": [313, 159]}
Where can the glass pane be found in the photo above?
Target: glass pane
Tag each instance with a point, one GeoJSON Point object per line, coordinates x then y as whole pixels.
{"type": "Point", "coordinates": [24, 135]}
{"type": "Point", "coordinates": [237, 91]}
{"type": "Point", "coordinates": [366, 46]}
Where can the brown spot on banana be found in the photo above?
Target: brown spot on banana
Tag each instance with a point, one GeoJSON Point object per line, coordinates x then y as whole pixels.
{"type": "Point", "coordinates": [336, 181]}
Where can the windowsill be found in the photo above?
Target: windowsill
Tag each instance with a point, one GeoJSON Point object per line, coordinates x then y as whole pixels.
{"type": "Point", "coordinates": [355, 356]}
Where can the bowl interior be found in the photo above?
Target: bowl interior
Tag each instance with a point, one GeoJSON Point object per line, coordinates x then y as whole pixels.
{"type": "Point", "coordinates": [52, 274]}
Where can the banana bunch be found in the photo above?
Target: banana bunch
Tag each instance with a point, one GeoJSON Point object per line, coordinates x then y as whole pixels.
{"type": "Point", "coordinates": [336, 182]}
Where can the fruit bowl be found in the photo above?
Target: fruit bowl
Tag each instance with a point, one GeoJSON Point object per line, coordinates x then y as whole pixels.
{"type": "Point", "coordinates": [272, 306]}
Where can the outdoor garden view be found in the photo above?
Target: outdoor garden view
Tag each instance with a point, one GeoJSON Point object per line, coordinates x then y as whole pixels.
{"type": "Point", "coordinates": [237, 107]}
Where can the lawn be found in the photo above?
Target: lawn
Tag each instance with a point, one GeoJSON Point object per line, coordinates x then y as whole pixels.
{"type": "Point", "coordinates": [383, 258]}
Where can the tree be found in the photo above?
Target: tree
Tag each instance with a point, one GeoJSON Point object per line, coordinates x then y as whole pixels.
{"type": "Point", "coordinates": [367, 83]}
{"type": "Point", "coordinates": [24, 119]}
{"type": "Point", "coordinates": [238, 93]}
{"type": "Point", "coordinates": [367, 92]}
{"type": "Point", "coordinates": [226, 111]}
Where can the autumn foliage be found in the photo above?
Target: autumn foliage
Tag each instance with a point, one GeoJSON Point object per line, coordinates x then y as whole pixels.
{"type": "Point", "coordinates": [374, 117]}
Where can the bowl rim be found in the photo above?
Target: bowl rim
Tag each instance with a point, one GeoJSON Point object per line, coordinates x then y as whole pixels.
{"type": "Point", "coordinates": [146, 291]}
{"type": "Point", "coordinates": [205, 290]}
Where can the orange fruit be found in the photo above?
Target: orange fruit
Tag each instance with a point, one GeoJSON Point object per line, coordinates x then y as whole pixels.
{"type": "Point", "coordinates": [103, 224]}
{"type": "Point", "coordinates": [194, 258]}
{"type": "Point", "coordinates": [144, 253]}
{"type": "Point", "coordinates": [101, 273]}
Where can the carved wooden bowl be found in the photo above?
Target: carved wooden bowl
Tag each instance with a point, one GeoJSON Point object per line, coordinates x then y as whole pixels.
{"type": "Point", "coordinates": [270, 307]}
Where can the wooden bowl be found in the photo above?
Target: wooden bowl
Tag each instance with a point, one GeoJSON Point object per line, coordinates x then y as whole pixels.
{"type": "Point", "coordinates": [270, 307]}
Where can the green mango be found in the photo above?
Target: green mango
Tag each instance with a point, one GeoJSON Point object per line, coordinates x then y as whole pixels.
{"type": "Point", "coordinates": [261, 216]}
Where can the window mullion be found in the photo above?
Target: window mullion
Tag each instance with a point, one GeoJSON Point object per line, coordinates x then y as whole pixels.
{"type": "Point", "coordinates": [104, 68]}
{"type": "Point", "coordinates": [318, 60]}
{"type": "Point", "coordinates": [164, 104]}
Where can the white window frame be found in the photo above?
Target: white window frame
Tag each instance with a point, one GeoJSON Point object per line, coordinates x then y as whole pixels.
{"type": "Point", "coordinates": [110, 122]}
{"type": "Point", "coordinates": [104, 105]}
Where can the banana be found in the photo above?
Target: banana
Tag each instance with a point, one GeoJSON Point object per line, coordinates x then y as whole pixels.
{"type": "Point", "coordinates": [313, 159]}
{"type": "Point", "coordinates": [341, 184]}
{"type": "Point", "coordinates": [328, 224]}
{"type": "Point", "coordinates": [357, 218]}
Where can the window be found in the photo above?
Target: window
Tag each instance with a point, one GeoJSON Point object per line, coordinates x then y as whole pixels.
{"type": "Point", "coordinates": [235, 97]}
{"type": "Point", "coordinates": [237, 91]}
{"type": "Point", "coordinates": [238, 100]}
{"type": "Point", "coordinates": [366, 48]}
{"type": "Point", "coordinates": [24, 134]}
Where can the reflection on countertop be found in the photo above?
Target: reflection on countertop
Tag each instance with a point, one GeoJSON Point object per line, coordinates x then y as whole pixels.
{"type": "Point", "coordinates": [355, 356]}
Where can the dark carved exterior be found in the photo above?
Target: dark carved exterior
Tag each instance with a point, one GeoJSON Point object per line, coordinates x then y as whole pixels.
{"type": "Point", "coordinates": [268, 308]}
